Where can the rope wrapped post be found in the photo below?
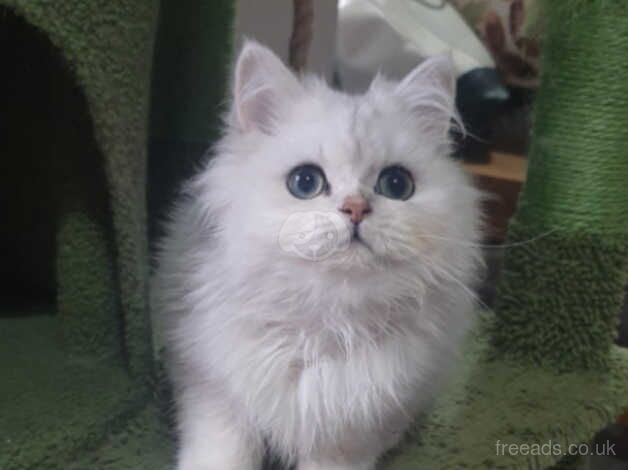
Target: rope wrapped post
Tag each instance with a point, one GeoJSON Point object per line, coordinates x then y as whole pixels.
{"type": "Point", "coordinates": [560, 294]}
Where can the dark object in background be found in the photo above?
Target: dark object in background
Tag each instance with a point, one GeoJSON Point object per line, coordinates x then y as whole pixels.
{"type": "Point", "coordinates": [511, 128]}
{"type": "Point", "coordinates": [612, 440]}
{"type": "Point", "coordinates": [480, 98]}
{"type": "Point", "coordinates": [189, 79]}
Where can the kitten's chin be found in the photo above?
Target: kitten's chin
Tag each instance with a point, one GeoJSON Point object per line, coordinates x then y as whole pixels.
{"type": "Point", "coordinates": [358, 255]}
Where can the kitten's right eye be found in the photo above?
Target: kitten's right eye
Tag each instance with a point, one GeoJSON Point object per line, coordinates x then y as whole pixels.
{"type": "Point", "coordinates": [306, 181]}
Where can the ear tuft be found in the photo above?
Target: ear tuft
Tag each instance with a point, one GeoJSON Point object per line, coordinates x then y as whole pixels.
{"type": "Point", "coordinates": [263, 87]}
{"type": "Point", "coordinates": [430, 91]}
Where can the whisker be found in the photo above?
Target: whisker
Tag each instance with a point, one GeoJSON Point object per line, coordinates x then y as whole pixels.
{"type": "Point", "coordinates": [493, 247]}
{"type": "Point", "coordinates": [450, 276]}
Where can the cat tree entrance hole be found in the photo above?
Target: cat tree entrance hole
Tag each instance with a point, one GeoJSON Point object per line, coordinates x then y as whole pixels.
{"type": "Point", "coordinates": [63, 365]}
{"type": "Point", "coordinates": [53, 196]}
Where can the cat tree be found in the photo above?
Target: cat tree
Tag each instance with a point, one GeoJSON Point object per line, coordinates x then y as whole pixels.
{"type": "Point", "coordinates": [76, 367]}
{"type": "Point", "coordinates": [77, 377]}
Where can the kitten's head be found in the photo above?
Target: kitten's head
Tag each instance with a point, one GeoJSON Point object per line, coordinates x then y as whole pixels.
{"type": "Point", "coordinates": [317, 178]}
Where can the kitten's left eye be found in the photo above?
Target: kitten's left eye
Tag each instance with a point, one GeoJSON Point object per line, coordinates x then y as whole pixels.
{"type": "Point", "coordinates": [306, 181]}
{"type": "Point", "coordinates": [395, 182]}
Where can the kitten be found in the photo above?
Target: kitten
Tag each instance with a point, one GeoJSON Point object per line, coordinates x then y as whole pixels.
{"type": "Point", "coordinates": [315, 280]}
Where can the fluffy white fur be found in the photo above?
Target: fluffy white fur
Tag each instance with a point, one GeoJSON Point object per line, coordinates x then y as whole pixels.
{"type": "Point", "coordinates": [324, 360]}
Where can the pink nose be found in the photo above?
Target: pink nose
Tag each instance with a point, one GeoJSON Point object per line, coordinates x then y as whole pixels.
{"type": "Point", "coordinates": [357, 207]}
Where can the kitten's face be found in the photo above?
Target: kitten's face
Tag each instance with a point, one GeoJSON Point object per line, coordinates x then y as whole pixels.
{"type": "Point", "coordinates": [309, 175]}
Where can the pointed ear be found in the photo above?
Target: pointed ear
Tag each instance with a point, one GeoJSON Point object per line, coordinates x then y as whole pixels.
{"type": "Point", "coordinates": [430, 91]}
{"type": "Point", "coordinates": [262, 88]}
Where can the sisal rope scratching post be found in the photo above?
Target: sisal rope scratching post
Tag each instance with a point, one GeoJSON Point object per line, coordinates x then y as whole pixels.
{"type": "Point", "coordinates": [561, 292]}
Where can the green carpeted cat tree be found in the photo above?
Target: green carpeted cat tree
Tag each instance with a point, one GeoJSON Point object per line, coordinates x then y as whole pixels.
{"type": "Point", "coordinates": [77, 375]}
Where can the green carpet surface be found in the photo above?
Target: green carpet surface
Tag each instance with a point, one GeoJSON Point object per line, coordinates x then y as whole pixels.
{"type": "Point", "coordinates": [144, 443]}
{"type": "Point", "coordinates": [492, 401]}
{"type": "Point", "coordinates": [53, 404]}
{"type": "Point", "coordinates": [559, 297]}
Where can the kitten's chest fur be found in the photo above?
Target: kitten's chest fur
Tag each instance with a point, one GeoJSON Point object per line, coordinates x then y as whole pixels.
{"type": "Point", "coordinates": [316, 376]}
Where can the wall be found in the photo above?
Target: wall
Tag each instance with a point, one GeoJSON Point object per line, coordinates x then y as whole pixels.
{"type": "Point", "coordinates": [270, 22]}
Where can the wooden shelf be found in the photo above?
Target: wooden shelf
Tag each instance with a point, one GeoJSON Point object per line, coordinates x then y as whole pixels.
{"type": "Point", "coordinates": [501, 177]}
{"type": "Point", "coordinates": [502, 166]}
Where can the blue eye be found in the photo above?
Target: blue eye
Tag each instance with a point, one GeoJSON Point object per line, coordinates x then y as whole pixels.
{"type": "Point", "coordinates": [306, 181]}
{"type": "Point", "coordinates": [395, 182]}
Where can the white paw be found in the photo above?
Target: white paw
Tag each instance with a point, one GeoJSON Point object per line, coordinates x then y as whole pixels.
{"type": "Point", "coordinates": [211, 461]}
{"type": "Point", "coordinates": [310, 465]}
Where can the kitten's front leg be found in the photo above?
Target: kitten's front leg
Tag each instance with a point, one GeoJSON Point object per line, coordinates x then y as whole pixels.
{"type": "Point", "coordinates": [211, 439]}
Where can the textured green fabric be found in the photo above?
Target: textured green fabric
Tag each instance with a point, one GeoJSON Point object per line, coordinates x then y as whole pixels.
{"type": "Point", "coordinates": [76, 367]}
{"type": "Point", "coordinates": [560, 293]}
{"type": "Point", "coordinates": [145, 443]}
{"type": "Point", "coordinates": [79, 366]}
{"type": "Point", "coordinates": [108, 46]}
{"type": "Point", "coordinates": [51, 404]}
{"type": "Point", "coordinates": [493, 400]}
{"type": "Point", "coordinates": [559, 301]}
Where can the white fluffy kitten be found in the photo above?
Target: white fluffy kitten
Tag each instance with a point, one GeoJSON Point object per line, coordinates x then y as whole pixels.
{"type": "Point", "coordinates": [314, 282]}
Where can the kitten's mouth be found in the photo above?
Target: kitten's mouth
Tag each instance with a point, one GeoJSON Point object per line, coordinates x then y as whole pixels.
{"type": "Point", "coordinates": [356, 238]}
